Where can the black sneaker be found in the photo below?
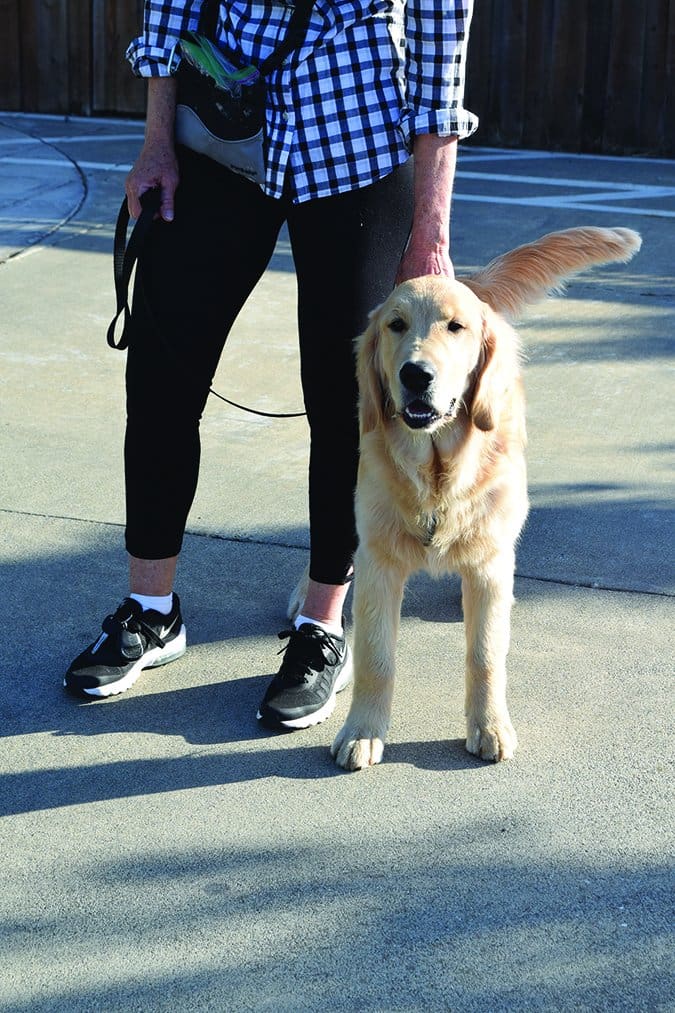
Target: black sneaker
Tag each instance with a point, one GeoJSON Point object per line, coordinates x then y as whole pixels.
{"type": "Point", "coordinates": [316, 666]}
{"type": "Point", "coordinates": [132, 640]}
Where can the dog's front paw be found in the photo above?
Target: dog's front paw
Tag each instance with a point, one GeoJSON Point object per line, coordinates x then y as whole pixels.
{"type": "Point", "coordinates": [355, 750]}
{"type": "Point", "coordinates": [492, 739]}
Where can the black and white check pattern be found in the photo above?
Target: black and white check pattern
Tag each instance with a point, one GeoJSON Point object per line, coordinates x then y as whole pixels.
{"type": "Point", "coordinates": [343, 109]}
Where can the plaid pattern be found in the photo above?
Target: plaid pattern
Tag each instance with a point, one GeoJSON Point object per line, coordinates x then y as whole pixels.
{"type": "Point", "coordinates": [343, 109]}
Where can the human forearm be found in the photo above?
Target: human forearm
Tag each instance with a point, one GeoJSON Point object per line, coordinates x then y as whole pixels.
{"type": "Point", "coordinates": [435, 159]}
{"type": "Point", "coordinates": [156, 165]}
{"type": "Point", "coordinates": [161, 110]}
{"type": "Point", "coordinates": [428, 250]}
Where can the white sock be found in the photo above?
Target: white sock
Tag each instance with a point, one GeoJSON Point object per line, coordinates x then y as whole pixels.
{"type": "Point", "coordinates": [160, 603]}
{"type": "Point", "coordinates": [334, 628]}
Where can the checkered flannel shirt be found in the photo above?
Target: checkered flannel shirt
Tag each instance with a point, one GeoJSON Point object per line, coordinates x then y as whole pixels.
{"type": "Point", "coordinates": [344, 108]}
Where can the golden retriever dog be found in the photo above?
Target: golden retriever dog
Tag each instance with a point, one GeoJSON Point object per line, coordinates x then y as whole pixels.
{"type": "Point", "coordinates": [442, 483]}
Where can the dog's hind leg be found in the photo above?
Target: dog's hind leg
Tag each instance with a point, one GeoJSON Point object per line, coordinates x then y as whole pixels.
{"type": "Point", "coordinates": [487, 595]}
{"type": "Point", "coordinates": [378, 592]}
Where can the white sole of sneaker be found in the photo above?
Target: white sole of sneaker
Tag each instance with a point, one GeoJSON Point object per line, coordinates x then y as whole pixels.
{"type": "Point", "coordinates": [309, 720]}
{"type": "Point", "coordinates": [153, 659]}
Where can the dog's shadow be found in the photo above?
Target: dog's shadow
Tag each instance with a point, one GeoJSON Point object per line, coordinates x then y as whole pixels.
{"type": "Point", "coordinates": [441, 755]}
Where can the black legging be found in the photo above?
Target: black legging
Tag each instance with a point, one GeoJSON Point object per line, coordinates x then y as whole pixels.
{"type": "Point", "coordinates": [195, 275]}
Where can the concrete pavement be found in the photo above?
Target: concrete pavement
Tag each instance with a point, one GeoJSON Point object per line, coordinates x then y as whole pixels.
{"type": "Point", "coordinates": [160, 851]}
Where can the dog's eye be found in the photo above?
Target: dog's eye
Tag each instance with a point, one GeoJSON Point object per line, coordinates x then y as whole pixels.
{"type": "Point", "coordinates": [398, 325]}
{"type": "Point", "coordinates": [455, 326]}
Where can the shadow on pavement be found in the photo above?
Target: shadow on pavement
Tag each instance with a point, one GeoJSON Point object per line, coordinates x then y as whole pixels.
{"type": "Point", "coordinates": [585, 935]}
{"type": "Point", "coordinates": [35, 790]}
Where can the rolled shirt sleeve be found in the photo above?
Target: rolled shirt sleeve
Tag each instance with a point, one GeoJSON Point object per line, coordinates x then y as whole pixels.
{"type": "Point", "coordinates": [163, 23]}
{"type": "Point", "coordinates": [437, 33]}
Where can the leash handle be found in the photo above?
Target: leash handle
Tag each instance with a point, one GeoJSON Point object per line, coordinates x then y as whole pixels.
{"type": "Point", "coordinates": [125, 256]}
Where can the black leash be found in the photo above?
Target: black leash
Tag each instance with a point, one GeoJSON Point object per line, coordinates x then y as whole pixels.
{"type": "Point", "coordinates": [125, 255]}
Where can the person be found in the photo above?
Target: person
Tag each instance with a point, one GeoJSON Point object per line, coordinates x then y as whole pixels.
{"type": "Point", "coordinates": [373, 82]}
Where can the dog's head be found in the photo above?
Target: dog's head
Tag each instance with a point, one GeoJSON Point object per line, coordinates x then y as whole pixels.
{"type": "Point", "coordinates": [435, 347]}
{"type": "Point", "coordinates": [431, 351]}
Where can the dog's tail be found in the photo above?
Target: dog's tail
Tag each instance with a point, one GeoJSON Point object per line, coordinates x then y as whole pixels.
{"type": "Point", "coordinates": [530, 272]}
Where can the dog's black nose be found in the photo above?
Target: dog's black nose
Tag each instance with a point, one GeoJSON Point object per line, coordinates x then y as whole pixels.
{"type": "Point", "coordinates": [417, 376]}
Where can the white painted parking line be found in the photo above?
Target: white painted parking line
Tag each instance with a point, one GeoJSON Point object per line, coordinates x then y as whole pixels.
{"type": "Point", "coordinates": [73, 139]}
{"type": "Point", "coordinates": [104, 121]}
{"type": "Point", "coordinates": [101, 166]}
{"type": "Point", "coordinates": [588, 201]}
{"type": "Point", "coordinates": [502, 177]}
{"type": "Point", "coordinates": [537, 156]}
{"type": "Point", "coordinates": [466, 155]}
{"type": "Point", "coordinates": [562, 204]}
{"type": "Point", "coordinates": [623, 210]}
{"type": "Point", "coordinates": [628, 193]}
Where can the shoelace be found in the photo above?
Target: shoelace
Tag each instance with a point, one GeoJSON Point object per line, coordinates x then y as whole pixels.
{"type": "Point", "coordinates": [123, 619]}
{"type": "Point", "coordinates": [305, 652]}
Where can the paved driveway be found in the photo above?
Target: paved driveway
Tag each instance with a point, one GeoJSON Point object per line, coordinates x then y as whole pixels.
{"type": "Point", "coordinates": [160, 852]}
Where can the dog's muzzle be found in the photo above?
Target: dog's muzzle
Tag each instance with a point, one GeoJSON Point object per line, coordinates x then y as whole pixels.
{"type": "Point", "coordinates": [417, 380]}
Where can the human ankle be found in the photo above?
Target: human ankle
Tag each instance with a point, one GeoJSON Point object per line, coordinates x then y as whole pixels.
{"type": "Point", "coordinates": [332, 627]}
{"type": "Point", "coordinates": [324, 603]}
{"type": "Point", "coordinates": [162, 603]}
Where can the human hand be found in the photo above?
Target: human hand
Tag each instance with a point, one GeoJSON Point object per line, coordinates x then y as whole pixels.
{"type": "Point", "coordinates": [420, 259]}
{"type": "Point", "coordinates": [156, 166]}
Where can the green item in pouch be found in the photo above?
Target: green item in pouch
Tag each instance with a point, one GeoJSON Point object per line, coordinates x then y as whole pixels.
{"type": "Point", "coordinates": [209, 60]}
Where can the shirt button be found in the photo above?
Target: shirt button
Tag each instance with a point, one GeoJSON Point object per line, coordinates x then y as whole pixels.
{"type": "Point", "coordinates": [284, 116]}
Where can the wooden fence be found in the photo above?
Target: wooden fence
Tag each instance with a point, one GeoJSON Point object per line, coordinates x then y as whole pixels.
{"type": "Point", "coordinates": [576, 75]}
{"type": "Point", "coordinates": [67, 56]}
{"type": "Point", "coordinates": [579, 75]}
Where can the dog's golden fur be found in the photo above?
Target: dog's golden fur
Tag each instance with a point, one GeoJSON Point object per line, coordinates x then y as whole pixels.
{"type": "Point", "coordinates": [442, 484]}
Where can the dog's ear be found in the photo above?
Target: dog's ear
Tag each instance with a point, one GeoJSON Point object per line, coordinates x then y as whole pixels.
{"type": "Point", "coordinates": [368, 374]}
{"type": "Point", "coordinates": [492, 372]}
